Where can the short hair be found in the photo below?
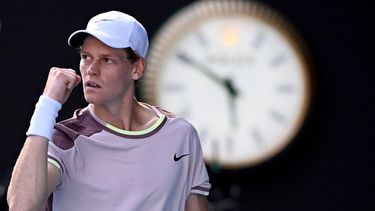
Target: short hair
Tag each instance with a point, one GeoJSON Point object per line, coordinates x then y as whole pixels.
{"type": "Point", "coordinates": [132, 56]}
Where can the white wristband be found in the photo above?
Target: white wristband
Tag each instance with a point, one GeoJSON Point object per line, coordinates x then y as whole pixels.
{"type": "Point", "coordinates": [44, 117]}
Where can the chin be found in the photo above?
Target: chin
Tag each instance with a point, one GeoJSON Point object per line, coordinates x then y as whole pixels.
{"type": "Point", "coordinates": [91, 99]}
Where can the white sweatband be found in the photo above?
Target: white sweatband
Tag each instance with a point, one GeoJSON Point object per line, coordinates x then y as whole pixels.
{"type": "Point", "coordinates": [44, 118]}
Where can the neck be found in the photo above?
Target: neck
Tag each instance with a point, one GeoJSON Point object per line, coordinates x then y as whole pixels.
{"type": "Point", "coordinates": [131, 116]}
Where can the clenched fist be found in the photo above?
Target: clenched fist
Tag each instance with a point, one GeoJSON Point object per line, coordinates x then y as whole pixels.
{"type": "Point", "coordinates": [60, 83]}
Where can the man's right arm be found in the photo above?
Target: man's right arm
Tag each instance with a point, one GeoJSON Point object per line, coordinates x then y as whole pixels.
{"type": "Point", "coordinates": [33, 180]}
{"type": "Point", "coordinates": [31, 184]}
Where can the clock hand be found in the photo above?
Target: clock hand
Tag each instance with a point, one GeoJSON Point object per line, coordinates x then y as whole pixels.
{"type": "Point", "coordinates": [230, 88]}
{"type": "Point", "coordinates": [233, 110]}
{"type": "Point", "coordinates": [227, 83]}
{"type": "Point", "coordinates": [199, 66]}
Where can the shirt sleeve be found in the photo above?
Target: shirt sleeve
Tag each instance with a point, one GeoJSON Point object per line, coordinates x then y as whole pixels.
{"type": "Point", "coordinates": [55, 159]}
{"type": "Point", "coordinates": [62, 140]}
{"type": "Point", "coordinates": [200, 180]}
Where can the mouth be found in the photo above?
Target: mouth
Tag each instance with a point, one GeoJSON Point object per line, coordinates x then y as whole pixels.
{"type": "Point", "coordinates": [92, 84]}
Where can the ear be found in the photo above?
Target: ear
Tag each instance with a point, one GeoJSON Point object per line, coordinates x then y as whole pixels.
{"type": "Point", "coordinates": [138, 69]}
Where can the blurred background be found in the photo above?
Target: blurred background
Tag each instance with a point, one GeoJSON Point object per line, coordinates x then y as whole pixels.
{"type": "Point", "coordinates": [328, 166]}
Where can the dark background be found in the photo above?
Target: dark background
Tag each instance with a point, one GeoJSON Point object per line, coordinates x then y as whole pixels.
{"type": "Point", "coordinates": [330, 164]}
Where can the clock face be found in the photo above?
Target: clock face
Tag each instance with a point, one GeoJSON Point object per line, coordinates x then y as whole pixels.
{"type": "Point", "coordinates": [239, 77]}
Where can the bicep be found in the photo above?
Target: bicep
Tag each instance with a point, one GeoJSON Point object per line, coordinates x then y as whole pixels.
{"type": "Point", "coordinates": [196, 202]}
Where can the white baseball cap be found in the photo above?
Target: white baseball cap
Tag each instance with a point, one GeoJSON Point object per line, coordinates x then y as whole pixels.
{"type": "Point", "coordinates": [115, 29]}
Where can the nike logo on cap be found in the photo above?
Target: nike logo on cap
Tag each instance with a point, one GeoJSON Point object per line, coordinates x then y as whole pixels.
{"type": "Point", "coordinates": [101, 20]}
{"type": "Point", "coordinates": [175, 158]}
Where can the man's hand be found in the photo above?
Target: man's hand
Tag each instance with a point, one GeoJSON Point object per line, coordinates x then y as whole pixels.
{"type": "Point", "coordinates": [60, 83]}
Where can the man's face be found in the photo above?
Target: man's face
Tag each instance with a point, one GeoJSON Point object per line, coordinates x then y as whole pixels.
{"type": "Point", "coordinates": [107, 74]}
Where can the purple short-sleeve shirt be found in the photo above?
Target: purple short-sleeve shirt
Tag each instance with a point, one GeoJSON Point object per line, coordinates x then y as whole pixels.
{"type": "Point", "coordinates": [106, 168]}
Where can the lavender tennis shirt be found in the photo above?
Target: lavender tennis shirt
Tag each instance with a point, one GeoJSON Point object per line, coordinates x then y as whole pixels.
{"type": "Point", "coordinates": [104, 168]}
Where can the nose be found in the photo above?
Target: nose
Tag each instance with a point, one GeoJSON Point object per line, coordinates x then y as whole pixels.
{"type": "Point", "coordinates": [93, 68]}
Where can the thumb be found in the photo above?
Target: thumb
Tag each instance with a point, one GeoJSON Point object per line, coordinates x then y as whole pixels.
{"type": "Point", "coordinates": [73, 82]}
{"type": "Point", "coordinates": [78, 80]}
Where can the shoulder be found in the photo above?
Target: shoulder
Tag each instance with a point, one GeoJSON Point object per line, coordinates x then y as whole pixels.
{"type": "Point", "coordinates": [175, 124]}
{"type": "Point", "coordinates": [160, 111]}
{"type": "Point", "coordinates": [66, 131]}
{"type": "Point", "coordinates": [171, 115]}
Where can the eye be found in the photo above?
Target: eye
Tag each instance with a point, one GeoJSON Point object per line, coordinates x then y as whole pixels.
{"type": "Point", "coordinates": [108, 61]}
{"type": "Point", "coordinates": [84, 56]}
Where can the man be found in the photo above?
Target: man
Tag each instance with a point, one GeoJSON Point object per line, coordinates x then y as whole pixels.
{"type": "Point", "coordinates": [117, 153]}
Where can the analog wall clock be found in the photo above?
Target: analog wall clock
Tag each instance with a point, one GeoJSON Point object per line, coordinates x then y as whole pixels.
{"type": "Point", "coordinates": [238, 72]}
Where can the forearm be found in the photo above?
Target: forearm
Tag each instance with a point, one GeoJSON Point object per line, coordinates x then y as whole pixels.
{"type": "Point", "coordinates": [28, 186]}
{"type": "Point", "coordinates": [196, 202]}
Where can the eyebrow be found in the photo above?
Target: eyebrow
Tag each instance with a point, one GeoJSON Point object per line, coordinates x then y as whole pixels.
{"type": "Point", "coordinates": [101, 55]}
{"type": "Point", "coordinates": [111, 55]}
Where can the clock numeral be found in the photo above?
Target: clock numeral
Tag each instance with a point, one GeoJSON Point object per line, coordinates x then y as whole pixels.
{"type": "Point", "coordinates": [185, 112]}
{"type": "Point", "coordinates": [174, 88]}
{"type": "Point", "coordinates": [229, 144]}
{"type": "Point", "coordinates": [285, 88]}
{"type": "Point", "coordinates": [201, 39]}
{"type": "Point", "coordinates": [257, 136]}
{"type": "Point", "coordinates": [203, 135]}
{"type": "Point", "coordinates": [230, 35]}
{"type": "Point", "coordinates": [278, 60]}
{"type": "Point", "coordinates": [277, 116]}
{"type": "Point", "coordinates": [215, 150]}
{"type": "Point", "coordinates": [258, 40]}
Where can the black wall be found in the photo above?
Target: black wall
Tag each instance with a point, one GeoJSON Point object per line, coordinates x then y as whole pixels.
{"type": "Point", "coordinates": [329, 165]}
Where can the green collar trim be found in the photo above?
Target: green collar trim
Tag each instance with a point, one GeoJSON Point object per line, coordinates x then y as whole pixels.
{"type": "Point", "coordinates": [137, 133]}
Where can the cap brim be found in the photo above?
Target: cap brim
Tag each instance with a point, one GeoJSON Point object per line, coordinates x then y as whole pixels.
{"type": "Point", "coordinates": [76, 39]}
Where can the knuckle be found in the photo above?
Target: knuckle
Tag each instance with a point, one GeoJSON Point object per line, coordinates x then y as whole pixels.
{"type": "Point", "coordinates": [55, 70]}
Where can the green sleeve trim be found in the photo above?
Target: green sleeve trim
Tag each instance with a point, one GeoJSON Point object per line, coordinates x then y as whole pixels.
{"type": "Point", "coordinates": [53, 162]}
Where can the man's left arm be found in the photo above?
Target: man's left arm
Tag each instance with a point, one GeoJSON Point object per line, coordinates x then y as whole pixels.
{"type": "Point", "coordinates": [196, 202]}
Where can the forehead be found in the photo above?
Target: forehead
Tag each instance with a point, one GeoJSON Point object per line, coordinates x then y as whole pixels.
{"type": "Point", "coordinates": [93, 45]}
